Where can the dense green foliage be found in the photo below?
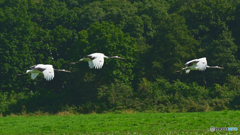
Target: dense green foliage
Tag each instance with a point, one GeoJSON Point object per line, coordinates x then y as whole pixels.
{"type": "Point", "coordinates": [135, 123]}
{"type": "Point", "coordinates": [156, 37]}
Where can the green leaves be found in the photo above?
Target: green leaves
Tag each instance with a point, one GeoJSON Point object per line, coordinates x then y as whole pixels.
{"type": "Point", "coordinates": [155, 38]}
{"type": "Point", "coordinates": [208, 17]}
{"type": "Point", "coordinates": [118, 95]}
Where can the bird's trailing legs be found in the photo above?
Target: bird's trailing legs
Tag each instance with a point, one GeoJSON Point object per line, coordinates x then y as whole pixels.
{"type": "Point", "coordinates": [20, 74]}
{"type": "Point", "coordinates": [186, 69]}
{"type": "Point", "coordinates": [63, 70]}
{"type": "Point", "coordinates": [179, 70]}
{"type": "Point", "coordinates": [74, 62]}
{"type": "Point", "coordinates": [77, 61]}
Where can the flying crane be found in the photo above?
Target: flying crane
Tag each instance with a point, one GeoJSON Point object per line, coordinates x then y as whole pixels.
{"type": "Point", "coordinates": [47, 70]}
{"type": "Point", "coordinates": [198, 64]}
{"type": "Point", "coordinates": [96, 60]}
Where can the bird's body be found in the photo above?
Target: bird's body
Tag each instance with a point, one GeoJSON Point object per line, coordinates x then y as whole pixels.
{"type": "Point", "coordinates": [198, 64]}
{"type": "Point", "coordinates": [47, 70]}
{"type": "Point", "coordinates": [96, 60]}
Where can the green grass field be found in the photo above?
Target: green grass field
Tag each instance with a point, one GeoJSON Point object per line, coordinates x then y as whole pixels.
{"type": "Point", "coordinates": [132, 123]}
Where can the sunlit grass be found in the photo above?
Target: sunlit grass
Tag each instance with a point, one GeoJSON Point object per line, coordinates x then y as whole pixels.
{"type": "Point", "coordinates": [129, 122]}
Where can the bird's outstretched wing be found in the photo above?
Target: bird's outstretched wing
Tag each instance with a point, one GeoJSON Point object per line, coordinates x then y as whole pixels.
{"type": "Point", "coordinates": [191, 62]}
{"type": "Point", "coordinates": [34, 75]}
{"type": "Point", "coordinates": [202, 64]}
{"type": "Point", "coordinates": [98, 62]}
{"type": "Point", "coordinates": [90, 63]}
{"type": "Point", "coordinates": [32, 67]}
{"type": "Point", "coordinates": [48, 73]}
{"type": "Point", "coordinates": [90, 57]}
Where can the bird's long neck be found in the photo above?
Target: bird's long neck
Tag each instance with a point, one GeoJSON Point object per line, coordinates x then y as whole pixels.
{"type": "Point", "coordinates": [212, 67]}
{"type": "Point", "coordinates": [63, 70]}
{"type": "Point", "coordinates": [116, 57]}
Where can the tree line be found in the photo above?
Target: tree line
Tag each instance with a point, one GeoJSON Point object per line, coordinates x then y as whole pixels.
{"type": "Point", "coordinates": [156, 38]}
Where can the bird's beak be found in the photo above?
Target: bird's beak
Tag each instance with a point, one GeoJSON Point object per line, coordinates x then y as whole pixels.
{"type": "Point", "coordinates": [121, 58]}
{"type": "Point", "coordinates": [221, 68]}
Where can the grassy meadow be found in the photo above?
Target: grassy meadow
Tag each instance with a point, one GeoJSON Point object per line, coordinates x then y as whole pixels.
{"type": "Point", "coordinates": [125, 123]}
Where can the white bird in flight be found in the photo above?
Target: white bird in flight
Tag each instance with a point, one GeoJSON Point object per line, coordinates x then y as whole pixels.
{"type": "Point", "coordinates": [198, 64]}
{"type": "Point", "coordinates": [96, 60]}
{"type": "Point", "coordinates": [47, 70]}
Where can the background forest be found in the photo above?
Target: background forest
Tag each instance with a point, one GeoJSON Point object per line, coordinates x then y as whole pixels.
{"type": "Point", "coordinates": [156, 38]}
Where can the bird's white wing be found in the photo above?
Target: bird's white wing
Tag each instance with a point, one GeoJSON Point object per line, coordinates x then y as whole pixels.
{"type": "Point", "coordinates": [40, 67]}
{"type": "Point", "coordinates": [90, 63]}
{"type": "Point", "coordinates": [34, 75]}
{"type": "Point", "coordinates": [202, 64]}
{"type": "Point", "coordinates": [92, 56]}
{"type": "Point", "coordinates": [191, 62]}
{"type": "Point", "coordinates": [97, 55]}
{"type": "Point", "coordinates": [98, 62]}
{"type": "Point", "coordinates": [48, 73]}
